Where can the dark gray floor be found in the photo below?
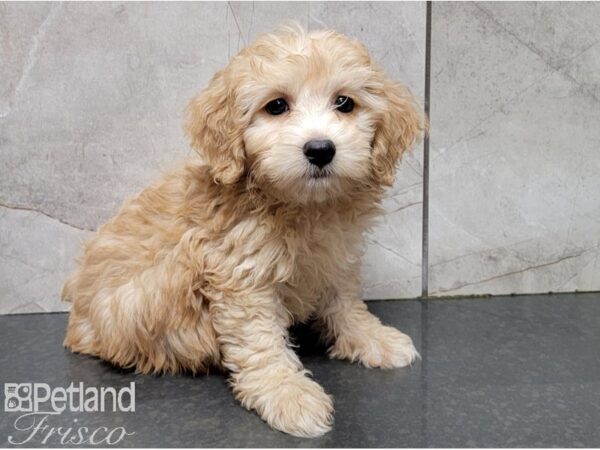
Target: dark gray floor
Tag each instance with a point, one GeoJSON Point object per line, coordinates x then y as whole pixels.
{"type": "Point", "coordinates": [499, 372]}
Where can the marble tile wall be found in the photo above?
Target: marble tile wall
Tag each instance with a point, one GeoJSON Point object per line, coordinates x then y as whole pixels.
{"type": "Point", "coordinates": [515, 148]}
{"type": "Point", "coordinates": [91, 101]}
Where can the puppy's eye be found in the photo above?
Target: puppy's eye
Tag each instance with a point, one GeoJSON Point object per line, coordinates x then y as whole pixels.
{"type": "Point", "coordinates": [277, 107]}
{"type": "Point", "coordinates": [344, 104]}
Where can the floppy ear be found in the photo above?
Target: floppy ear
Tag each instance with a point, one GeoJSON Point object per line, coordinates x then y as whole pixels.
{"type": "Point", "coordinates": [400, 126]}
{"type": "Point", "coordinates": [215, 127]}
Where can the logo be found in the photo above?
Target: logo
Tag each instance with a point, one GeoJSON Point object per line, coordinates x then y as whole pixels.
{"type": "Point", "coordinates": [17, 397]}
{"type": "Point", "coordinates": [39, 405]}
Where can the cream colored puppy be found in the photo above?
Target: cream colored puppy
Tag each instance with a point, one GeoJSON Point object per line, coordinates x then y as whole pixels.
{"type": "Point", "coordinates": [297, 139]}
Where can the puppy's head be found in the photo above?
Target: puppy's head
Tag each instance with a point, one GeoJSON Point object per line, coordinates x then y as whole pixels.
{"type": "Point", "coordinates": [308, 116]}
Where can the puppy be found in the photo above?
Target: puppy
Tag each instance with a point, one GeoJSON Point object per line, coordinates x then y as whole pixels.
{"type": "Point", "coordinates": [296, 139]}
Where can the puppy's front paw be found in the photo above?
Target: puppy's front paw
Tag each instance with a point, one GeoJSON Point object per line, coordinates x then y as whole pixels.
{"type": "Point", "coordinates": [383, 347]}
{"type": "Point", "coordinates": [298, 406]}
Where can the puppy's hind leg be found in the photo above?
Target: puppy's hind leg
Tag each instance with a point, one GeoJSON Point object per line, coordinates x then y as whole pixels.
{"type": "Point", "coordinates": [150, 319]}
{"type": "Point", "coordinates": [266, 374]}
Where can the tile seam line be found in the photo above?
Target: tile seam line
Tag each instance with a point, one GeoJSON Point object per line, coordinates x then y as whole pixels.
{"type": "Point", "coordinates": [425, 207]}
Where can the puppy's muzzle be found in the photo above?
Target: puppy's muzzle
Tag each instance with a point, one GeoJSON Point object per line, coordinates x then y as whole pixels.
{"type": "Point", "coordinates": [319, 152]}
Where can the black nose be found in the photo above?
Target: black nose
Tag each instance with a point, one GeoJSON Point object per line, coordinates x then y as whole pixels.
{"type": "Point", "coordinates": [319, 152]}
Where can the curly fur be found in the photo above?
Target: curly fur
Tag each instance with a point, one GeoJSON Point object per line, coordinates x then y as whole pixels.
{"type": "Point", "coordinates": [209, 266]}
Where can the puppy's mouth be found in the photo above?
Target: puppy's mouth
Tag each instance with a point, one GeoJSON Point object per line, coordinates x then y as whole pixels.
{"type": "Point", "coordinates": [317, 173]}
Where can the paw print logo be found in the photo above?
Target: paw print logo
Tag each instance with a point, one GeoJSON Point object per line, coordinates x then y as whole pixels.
{"type": "Point", "coordinates": [17, 397]}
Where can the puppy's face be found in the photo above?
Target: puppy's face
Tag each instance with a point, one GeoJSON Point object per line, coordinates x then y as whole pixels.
{"type": "Point", "coordinates": [307, 116]}
{"type": "Point", "coordinates": [313, 117]}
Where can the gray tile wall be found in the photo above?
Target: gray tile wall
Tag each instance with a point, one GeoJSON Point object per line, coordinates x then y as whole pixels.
{"type": "Point", "coordinates": [515, 148]}
{"type": "Point", "coordinates": [91, 97]}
